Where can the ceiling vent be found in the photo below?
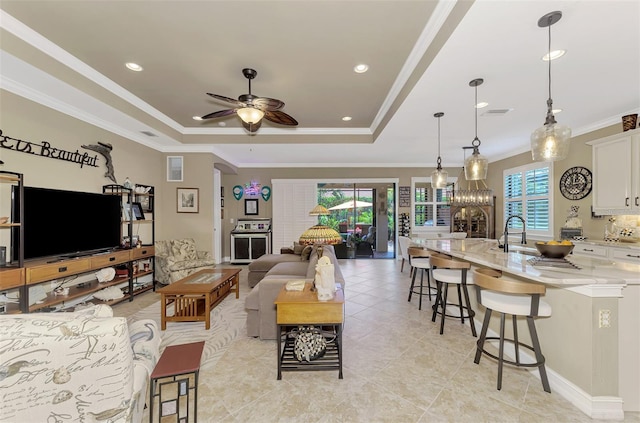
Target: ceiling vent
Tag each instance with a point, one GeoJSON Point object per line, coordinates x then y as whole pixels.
{"type": "Point", "coordinates": [496, 112]}
{"type": "Point", "coordinates": [149, 133]}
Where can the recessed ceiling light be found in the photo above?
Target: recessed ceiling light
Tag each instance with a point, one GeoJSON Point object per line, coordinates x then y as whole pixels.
{"type": "Point", "coordinates": [197, 118]}
{"type": "Point", "coordinates": [222, 123]}
{"type": "Point", "coordinates": [554, 55]}
{"type": "Point", "coordinates": [346, 118]}
{"type": "Point", "coordinates": [134, 67]}
{"type": "Point", "coordinates": [361, 68]}
{"type": "Point", "coordinates": [556, 110]}
{"type": "Point", "coordinates": [481, 105]}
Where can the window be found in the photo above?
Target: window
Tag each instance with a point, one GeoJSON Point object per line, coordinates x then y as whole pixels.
{"type": "Point", "coordinates": [528, 193]}
{"type": "Point", "coordinates": [431, 209]}
{"type": "Point", "coordinates": [174, 168]}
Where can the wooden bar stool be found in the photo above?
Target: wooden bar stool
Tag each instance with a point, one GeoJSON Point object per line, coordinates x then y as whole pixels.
{"type": "Point", "coordinates": [517, 298]}
{"type": "Point", "coordinates": [445, 271]}
{"type": "Point", "coordinates": [419, 260]}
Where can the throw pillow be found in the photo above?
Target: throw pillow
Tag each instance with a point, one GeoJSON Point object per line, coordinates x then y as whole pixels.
{"type": "Point", "coordinates": [297, 248]}
{"type": "Point", "coordinates": [306, 252]}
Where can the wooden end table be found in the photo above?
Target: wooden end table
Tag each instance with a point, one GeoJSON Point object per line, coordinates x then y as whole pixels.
{"type": "Point", "coordinates": [296, 308]}
{"type": "Point", "coordinates": [195, 296]}
{"type": "Point", "coordinates": [175, 361]}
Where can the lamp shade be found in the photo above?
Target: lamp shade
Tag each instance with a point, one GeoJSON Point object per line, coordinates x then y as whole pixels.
{"type": "Point", "coordinates": [550, 142]}
{"type": "Point", "coordinates": [319, 211]}
{"type": "Point", "coordinates": [250, 114]}
{"type": "Point", "coordinates": [439, 178]}
{"type": "Point", "coordinates": [476, 166]}
{"type": "Point", "coordinates": [320, 234]}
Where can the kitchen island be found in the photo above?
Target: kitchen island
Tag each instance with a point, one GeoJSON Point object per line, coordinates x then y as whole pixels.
{"type": "Point", "coordinates": [592, 339]}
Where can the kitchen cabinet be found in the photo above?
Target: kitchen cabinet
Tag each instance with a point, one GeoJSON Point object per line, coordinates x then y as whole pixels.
{"type": "Point", "coordinates": [616, 174]}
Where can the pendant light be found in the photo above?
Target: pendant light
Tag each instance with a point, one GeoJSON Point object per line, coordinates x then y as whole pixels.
{"type": "Point", "coordinates": [476, 166]}
{"type": "Point", "coordinates": [474, 193]}
{"type": "Point", "coordinates": [551, 141]}
{"type": "Point", "coordinates": [439, 176]}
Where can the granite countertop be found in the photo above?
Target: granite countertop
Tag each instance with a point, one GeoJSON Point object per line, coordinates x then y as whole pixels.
{"type": "Point", "coordinates": [593, 271]}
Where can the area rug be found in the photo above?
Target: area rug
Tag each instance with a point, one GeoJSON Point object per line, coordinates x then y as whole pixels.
{"type": "Point", "coordinates": [227, 323]}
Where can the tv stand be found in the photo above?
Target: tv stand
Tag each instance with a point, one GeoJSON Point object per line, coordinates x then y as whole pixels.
{"type": "Point", "coordinates": [86, 263]}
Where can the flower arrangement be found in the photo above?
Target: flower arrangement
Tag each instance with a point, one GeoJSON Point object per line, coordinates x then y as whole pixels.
{"type": "Point", "coordinates": [356, 236]}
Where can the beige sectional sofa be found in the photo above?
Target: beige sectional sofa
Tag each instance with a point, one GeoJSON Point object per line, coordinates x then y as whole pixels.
{"type": "Point", "coordinates": [278, 269]}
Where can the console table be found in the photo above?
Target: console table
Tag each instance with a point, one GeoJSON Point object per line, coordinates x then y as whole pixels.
{"type": "Point", "coordinates": [294, 308]}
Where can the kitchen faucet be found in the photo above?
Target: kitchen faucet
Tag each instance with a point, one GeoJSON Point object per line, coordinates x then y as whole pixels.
{"type": "Point", "coordinates": [506, 232]}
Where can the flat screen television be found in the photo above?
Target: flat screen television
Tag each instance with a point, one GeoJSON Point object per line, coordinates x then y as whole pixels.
{"type": "Point", "coordinates": [67, 223]}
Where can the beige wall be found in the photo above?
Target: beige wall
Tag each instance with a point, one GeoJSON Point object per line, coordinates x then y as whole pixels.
{"type": "Point", "coordinates": [580, 155]}
{"type": "Point", "coordinates": [26, 120]}
{"type": "Point", "coordinates": [234, 209]}
{"type": "Point", "coordinates": [31, 122]}
{"type": "Point", "coordinates": [197, 173]}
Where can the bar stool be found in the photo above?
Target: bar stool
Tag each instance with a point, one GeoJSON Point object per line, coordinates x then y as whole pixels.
{"type": "Point", "coordinates": [445, 270]}
{"type": "Point", "coordinates": [419, 260]}
{"type": "Point", "coordinates": [517, 298]}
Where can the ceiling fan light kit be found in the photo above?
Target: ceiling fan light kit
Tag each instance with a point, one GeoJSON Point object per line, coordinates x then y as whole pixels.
{"type": "Point", "coordinates": [476, 165]}
{"type": "Point", "coordinates": [551, 141]}
{"type": "Point", "coordinates": [252, 109]}
{"type": "Point", "coordinates": [439, 176]}
{"type": "Point", "coordinates": [250, 114]}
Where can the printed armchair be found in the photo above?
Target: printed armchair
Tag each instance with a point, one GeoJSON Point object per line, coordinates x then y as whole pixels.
{"type": "Point", "coordinates": [178, 258]}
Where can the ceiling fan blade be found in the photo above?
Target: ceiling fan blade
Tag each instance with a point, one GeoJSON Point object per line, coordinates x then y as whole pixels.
{"type": "Point", "coordinates": [251, 127]}
{"type": "Point", "coordinates": [266, 103]}
{"type": "Point", "coordinates": [227, 99]}
{"type": "Point", "coordinates": [278, 116]}
{"type": "Point", "coordinates": [219, 113]}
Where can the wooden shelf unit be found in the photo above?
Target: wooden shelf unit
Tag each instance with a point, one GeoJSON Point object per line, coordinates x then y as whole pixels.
{"type": "Point", "coordinates": [39, 271]}
{"type": "Point", "coordinates": [12, 274]}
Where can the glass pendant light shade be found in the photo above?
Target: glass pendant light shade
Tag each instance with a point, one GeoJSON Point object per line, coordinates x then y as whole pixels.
{"type": "Point", "coordinates": [250, 114]}
{"type": "Point", "coordinates": [550, 142]}
{"type": "Point", "coordinates": [476, 166]}
{"type": "Point", "coordinates": [439, 176]}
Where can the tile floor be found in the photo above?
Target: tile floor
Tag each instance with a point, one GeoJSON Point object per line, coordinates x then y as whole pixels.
{"type": "Point", "coordinates": [397, 368]}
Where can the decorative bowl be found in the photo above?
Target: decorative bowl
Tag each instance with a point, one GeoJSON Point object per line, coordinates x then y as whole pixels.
{"type": "Point", "coordinates": [554, 251]}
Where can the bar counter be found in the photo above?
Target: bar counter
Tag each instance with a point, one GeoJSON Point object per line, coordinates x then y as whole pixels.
{"type": "Point", "coordinates": [592, 339]}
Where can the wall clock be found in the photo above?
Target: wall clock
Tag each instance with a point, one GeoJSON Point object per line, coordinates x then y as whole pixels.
{"type": "Point", "coordinates": [576, 183]}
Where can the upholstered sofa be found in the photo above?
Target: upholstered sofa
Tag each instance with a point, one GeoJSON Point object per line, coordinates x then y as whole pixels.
{"type": "Point", "coordinates": [178, 258]}
{"type": "Point", "coordinates": [84, 366]}
{"type": "Point", "coordinates": [261, 310]}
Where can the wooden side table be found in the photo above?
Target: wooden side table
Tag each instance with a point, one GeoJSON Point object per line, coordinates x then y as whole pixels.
{"type": "Point", "coordinates": [177, 362]}
{"type": "Point", "coordinates": [294, 308]}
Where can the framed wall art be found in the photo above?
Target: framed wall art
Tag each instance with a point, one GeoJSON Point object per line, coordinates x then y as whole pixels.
{"type": "Point", "coordinates": [174, 168]}
{"type": "Point", "coordinates": [188, 200]}
{"type": "Point", "coordinates": [251, 206]}
{"type": "Point", "coordinates": [136, 208]}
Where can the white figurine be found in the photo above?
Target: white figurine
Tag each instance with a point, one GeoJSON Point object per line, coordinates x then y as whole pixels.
{"type": "Point", "coordinates": [325, 279]}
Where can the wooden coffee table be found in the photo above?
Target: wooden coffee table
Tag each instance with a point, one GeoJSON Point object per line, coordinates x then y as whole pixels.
{"type": "Point", "coordinates": [195, 296]}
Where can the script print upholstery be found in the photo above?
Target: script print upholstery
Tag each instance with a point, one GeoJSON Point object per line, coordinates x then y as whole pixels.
{"type": "Point", "coordinates": [55, 367]}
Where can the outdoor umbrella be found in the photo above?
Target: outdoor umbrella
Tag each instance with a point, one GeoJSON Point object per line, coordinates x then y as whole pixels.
{"type": "Point", "coordinates": [351, 204]}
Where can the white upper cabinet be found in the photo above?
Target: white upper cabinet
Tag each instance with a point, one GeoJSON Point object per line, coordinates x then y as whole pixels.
{"type": "Point", "coordinates": [616, 174]}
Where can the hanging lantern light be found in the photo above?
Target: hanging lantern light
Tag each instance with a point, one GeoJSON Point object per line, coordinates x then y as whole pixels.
{"type": "Point", "coordinates": [439, 176]}
{"type": "Point", "coordinates": [476, 165]}
{"type": "Point", "coordinates": [551, 141]}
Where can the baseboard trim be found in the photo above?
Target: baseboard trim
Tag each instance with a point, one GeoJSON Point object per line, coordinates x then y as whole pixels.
{"type": "Point", "coordinates": [596, 407]}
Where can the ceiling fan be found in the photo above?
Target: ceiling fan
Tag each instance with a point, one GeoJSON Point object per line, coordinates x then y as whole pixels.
{"type": "Point", "coordinates": [251, 109]}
